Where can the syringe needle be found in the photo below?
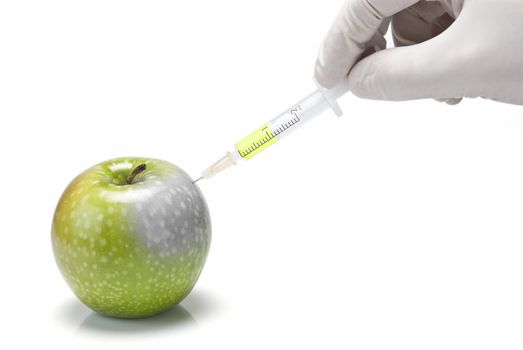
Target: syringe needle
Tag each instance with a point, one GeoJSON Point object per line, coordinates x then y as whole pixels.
{"type": "Point", "coordinates": [198, 179]}
{"type": "Point", "coordinates": [222, 164]}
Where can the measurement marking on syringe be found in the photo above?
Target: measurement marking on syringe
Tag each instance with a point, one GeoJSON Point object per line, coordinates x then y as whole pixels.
{"type": "Point", "coordinates": [263, 137]}
{"type": "Point", "coordinates": [290, 123]}
{"type": "Point", "coordinates": [270, 135]}
{"type": "Point", "coordinates": [259, 143]}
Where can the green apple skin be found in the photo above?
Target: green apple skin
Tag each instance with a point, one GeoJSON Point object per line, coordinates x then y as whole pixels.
{"type": "Point", "coordinates": [131, 250]}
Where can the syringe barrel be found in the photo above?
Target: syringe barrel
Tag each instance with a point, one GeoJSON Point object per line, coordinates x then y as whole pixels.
{"type": "Point", "coordinates": [291, 119]}
{"type": "Point", "coordinates": [300, 113]}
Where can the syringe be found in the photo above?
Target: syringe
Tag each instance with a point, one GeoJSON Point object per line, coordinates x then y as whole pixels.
{"type": "Point", "coordinates": [291, 119]}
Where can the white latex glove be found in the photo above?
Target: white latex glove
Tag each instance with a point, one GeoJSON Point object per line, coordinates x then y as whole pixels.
{"type": "Point", "coordinates": [479, 54]}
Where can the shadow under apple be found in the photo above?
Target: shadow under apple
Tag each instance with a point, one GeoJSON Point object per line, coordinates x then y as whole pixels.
{"type": "Point", "coordinates": [172, 319]}
{"type": "Point", "coordinates": [198, 305]}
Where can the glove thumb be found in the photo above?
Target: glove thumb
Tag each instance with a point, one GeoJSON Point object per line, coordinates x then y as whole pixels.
{"type": "Point", "coordinates": [426, 70]}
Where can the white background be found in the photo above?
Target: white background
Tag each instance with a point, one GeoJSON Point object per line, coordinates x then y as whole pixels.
{"type": "Point", "coordinates": [398, 226]}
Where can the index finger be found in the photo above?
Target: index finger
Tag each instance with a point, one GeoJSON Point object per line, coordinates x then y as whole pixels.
{"type": "Point", "coordinates": [357, 22]}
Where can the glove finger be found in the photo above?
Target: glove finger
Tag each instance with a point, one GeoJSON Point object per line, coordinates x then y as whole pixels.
{"type": "Point", "coordinates": [419, 23]}
{"type": "Point", "coordinates": [410, 72]}
{"type": "Point", "coordinates": [450, 101]}
{"type": "Point", "coordinates": [378, 41]}
{"type": "Point", "coordinates": [356, 24]}
{"type": "Point", "coordinates": [452, 7]}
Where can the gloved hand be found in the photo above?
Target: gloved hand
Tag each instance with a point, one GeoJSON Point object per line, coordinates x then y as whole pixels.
{"type": "Point", "coordinates": [446, 49]}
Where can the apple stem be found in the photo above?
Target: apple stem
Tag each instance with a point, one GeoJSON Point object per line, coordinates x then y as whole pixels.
{"type": "Point", "coordinates": [135, 172]}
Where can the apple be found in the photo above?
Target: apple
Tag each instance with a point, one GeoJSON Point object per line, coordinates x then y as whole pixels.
{"type": "Point", "coordinates": [131, 235]}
